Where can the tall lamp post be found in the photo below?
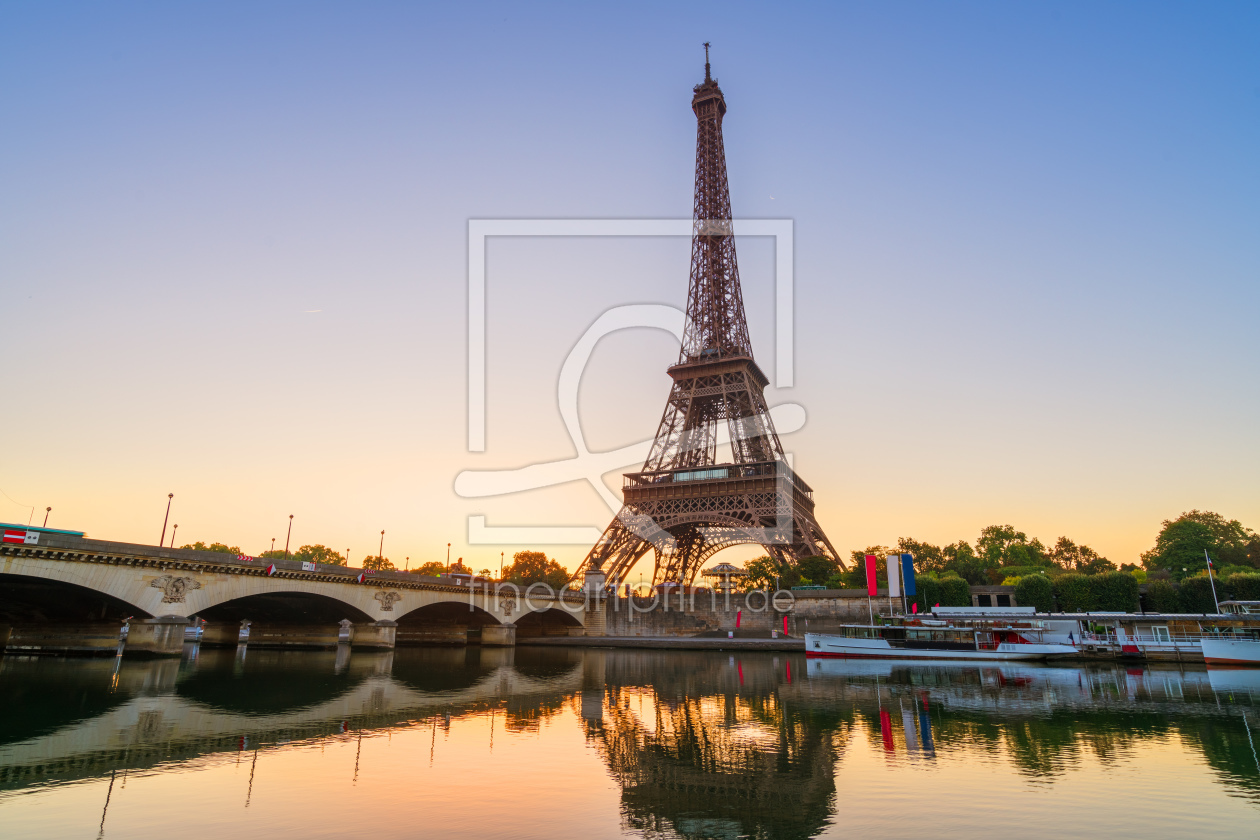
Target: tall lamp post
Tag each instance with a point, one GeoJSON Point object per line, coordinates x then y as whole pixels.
{"type": "Point", "coordinates": [286, 537]}
{"type": "Point", "coordinates": [448, 557]}
{"type": "Point", "coordinates": [501, 565]}
{"type": "Point", "coordinates": [273, 545]}
{"type": "Point", "coordinates": [174, 528]}
{"type": "Point", "coordinates": [169, 496]}
{"type": "Point", "coordinates": [47, 511]}
{"type": "Point", "coordinates": [380, 552]}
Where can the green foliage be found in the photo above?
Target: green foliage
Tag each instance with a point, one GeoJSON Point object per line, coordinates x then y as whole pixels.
{"type": "Point", "coordinates": [274, 554]}
{"type": "Point", "coordinates": [1182, 541]}
{"type": "Point", "coordinates": [433, 568]}
{"type": "Point", "coordinates": [377, 564]}
{"type": "Point", "coordinates": [1021, 571]}
{"type": "Point", "coordinates": [1074, 593]}
{"type": "Point", "coordinates": [927, 592]}
{"type": "Point", "coordinates": [1035, 591]}
{"type": "Point", "coordinates": [1243, 587]}
{"type": "Point", "coordinates": [1195, 594]}
{"type": "Point", "coordinates": [927, 557]}
{"type": "Point", "coordinates": [962, 561]}
{"type": "Point", "coordinates": [955, 592]}
{"type": "Point", "coordinates": [1081, 558]}
{"type": "Point", "coordinates": [1161, 596]}
{"type": "Point", "coordinates": [817, 569]}
{"type": "Point", "coordinates": [218, 547]}
{"type": "Point", "coordinates": [1114, 592]}
{"type": "Point", "coordinates": [321, 554]}
{"type": "Point", "coordinates": [535, 567]}
{"type": "Point", "coordinates": [762, 572]}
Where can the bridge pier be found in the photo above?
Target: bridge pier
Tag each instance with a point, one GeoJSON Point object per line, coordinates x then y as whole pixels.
{"type": "Point", "coordinates": [222, 634]}
{"type": "Point", "coordinates": [162, 636]}
{"type": "Point", "coordinates": [379, 635]}
{"type": "Point", "coordinates": [498, 635]}
{"type": "Point", "coordinates": [148, 637]}
{"type": "Point", "coordinates": [294, 636]}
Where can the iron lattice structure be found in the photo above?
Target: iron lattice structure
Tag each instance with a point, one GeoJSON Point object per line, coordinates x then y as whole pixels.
{"type": "Point", "coordinates": [684, 505]}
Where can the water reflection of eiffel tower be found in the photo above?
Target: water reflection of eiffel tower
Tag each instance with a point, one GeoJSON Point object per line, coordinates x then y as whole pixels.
{"type": "Point", "coordinates": [735, 763]}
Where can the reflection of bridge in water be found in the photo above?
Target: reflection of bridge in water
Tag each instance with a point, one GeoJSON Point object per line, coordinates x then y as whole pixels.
{"type": "Point", "coordinates": [701, 744]}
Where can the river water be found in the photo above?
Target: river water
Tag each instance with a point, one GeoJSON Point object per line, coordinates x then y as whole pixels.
{"type": "Point", "coordinates": [567, 742]}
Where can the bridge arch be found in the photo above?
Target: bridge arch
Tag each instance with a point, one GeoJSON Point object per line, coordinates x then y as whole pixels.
{"type": "Point", "coordinates": [552, 621]}
{"type": "Point", "coordinates": [26, 599]}
{"type": "Point", "coordinates": [284, 607]}
{"type": "Point", "coordinates": [444, 623]}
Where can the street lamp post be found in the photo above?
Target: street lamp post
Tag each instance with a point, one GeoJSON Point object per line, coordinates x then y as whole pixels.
{"type": "Point", "coordinates": [273, 545]}
{"type": "Point", "coordinates": [47, 511]}
{"type": "Point", "coordinates": [286, 537]}
{"type": "Point", "coordinates": [448, 557]}
{"type": "Point", "coordinates": [380, 552]}
{"type": "Point", "coordinates": [169, 496]}
{"type": "Point", "coordinates": [501, 565]}
{"type": "Point", "coordinates": [174, 528]}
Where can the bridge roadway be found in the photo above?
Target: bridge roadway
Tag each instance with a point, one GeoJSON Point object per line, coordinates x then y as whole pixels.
{"type": "Point", "coordinates": [60, 592]}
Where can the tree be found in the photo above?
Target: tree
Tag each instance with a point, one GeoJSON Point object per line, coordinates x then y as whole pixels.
{"type": "Point", "coordinates": [535, 567]}
{"type": "Point", "coordinates": [955, 592]}
{"type": "Point", "coordinates": [218, 547]}
{"type": "Point", "coordinates": [962, 561]}
{"type": "Point", "coordinates": [1243, 587]}
{"type": "Point", "coordinates": [927, 557]}
{"type": "Point", "coordinates": [433, 568]}
{"type": "Point", "coordinates": [1182, 541]}
{"type": "Point", "coordinates": [927, 592]}
{"type": "Point", "coordinates": [273, 554]}
{"type": "Point", "coordinates": [377, 564]}
{"type": "Point", "coordinates": [1035, 591]}
{"type": "Point", "coordinates": [1179, 547]}
{"type": "Point", "coordinates": [1161, 597]}
{"type": "Point", "coordinates": [817, 570]}
{"type": "Point", "coordinates": [762, 571]}
{"type": "Point", "coordinates": [1114, 592]}
{"type": "Point", "coordinates": [321, 554]}
{"type": "Point", "coordinates": [1195, 594]}
{"type": "Point", "coordinates": [1081, 558]}
{"type": "Point", "coordinates": [1074, 593]}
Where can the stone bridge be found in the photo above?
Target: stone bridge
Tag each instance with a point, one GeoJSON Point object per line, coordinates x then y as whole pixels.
{"type": "Point", "coordinates": [62, 592]}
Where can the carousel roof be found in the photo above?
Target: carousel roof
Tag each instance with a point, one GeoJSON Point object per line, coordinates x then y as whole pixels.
{"type": "Point", "coordinates": [722, 570]}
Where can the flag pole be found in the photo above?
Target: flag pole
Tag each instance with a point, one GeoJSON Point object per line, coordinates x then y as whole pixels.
{"type": "Point", "coordinates": [1209, 567]}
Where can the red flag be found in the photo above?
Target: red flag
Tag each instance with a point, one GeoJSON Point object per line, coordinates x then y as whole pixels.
{"type": "Point", "coordinates": [885, 729]}
{"type": "Point", "coordinates": [785, 632]}
{"type": "Point", "coordinates": [738, 615]}
{"type": "Point", "coordinates": [871, 569]}
{"type": "Point", "coordinates": [914, 608]}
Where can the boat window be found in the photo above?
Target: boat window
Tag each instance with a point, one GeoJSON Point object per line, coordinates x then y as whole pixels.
{"type": "Point", "coordinates": [1162, 634]}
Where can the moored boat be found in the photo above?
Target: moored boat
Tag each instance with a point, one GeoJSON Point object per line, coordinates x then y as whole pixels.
{"type": "Point", "coordinates": [997, 639]}
{"type": "Point", "coordinates": [1230, 650]}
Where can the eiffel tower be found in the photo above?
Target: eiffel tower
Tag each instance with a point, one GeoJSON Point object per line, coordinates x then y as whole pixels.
{"type": "Point", "coordinates": [683, 504]}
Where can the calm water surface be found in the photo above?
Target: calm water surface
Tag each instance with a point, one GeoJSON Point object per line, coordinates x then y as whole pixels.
{"type": "Point", "coordinates": [557, 743]}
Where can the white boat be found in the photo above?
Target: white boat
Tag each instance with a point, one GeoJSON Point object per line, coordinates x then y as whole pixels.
{"type": "Point", "coordinates": [993, 640]}
{"type": "Point", "coordinates": [1230, 650]}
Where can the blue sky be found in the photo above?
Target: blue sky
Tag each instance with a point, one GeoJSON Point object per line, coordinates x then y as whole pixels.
{"type": "Point", "coordinates": [1026, 252]}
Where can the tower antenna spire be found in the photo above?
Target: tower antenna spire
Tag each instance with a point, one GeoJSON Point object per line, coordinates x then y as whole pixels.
{"type": "Point", "coordinates": [707, 77]}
